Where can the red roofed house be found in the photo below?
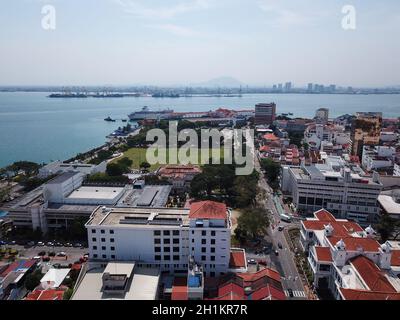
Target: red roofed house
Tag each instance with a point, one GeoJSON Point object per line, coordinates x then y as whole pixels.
{"type": "Point", "coordinates": [48, 295]}
{"type": "Point", "coordinates": [347, 260]}
{"type": "Point", "coordinates": [179, 175]}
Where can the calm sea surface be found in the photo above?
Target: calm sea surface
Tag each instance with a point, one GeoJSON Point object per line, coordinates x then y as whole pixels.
{"type": "Point", "coordinates": [36, 128]}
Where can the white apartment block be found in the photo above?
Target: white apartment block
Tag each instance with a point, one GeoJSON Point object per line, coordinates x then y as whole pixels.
{"type": "Point", "coordinates": [377, 157]}
{"type": "Point", "coordinates": [315, 134]}
{"type": "Point", "coordinates": [335, 186]}
{"type": "Point", "coordinates": [163, 237]}
{"type": "Point", "coordinates": [347, 260]}
{"type": "Point", "coordinates": [58, 167]}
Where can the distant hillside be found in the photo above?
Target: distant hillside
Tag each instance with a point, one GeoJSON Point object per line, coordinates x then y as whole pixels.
{"type": "Point", "coordinates": [228, 82]}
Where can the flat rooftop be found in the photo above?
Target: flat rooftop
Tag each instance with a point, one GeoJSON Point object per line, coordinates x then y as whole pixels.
{"type": "Point", "coordinates": [144, 217]}
{"type": "Point", "coordinates": [388, 203]}
{"type": "Point", "coordinates": [143, 285]}
{"type": "Point", "coordinates": [149, 196]}
{"type": "Point", "coordinates": [64, 177]}
{"type": "Point", "coordinates": [108, 193]}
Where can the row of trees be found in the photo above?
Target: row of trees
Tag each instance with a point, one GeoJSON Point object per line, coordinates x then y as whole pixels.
{"type": "Point", "coordinates": [220, 182]}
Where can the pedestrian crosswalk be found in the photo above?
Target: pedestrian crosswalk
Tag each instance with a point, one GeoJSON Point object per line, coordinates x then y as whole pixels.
{"type": "Point", "coordinates": [296, 294]}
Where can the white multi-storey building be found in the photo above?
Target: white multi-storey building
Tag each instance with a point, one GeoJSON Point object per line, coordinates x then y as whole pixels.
{"type": "Point", "coordinates": [315, 134]}
{"type": "Point", "coordinates": [347, 260]}
{"type": "Point", "coordinates": [58, 167]}
{"type": "Point", "coordinates": [396, 169]}
{"type": "Point", "coordinates": [163, 237]}
{"type": "Point", "coordinates": [335, 186]}
{"type": "Point", "coordinates": [378, 157]}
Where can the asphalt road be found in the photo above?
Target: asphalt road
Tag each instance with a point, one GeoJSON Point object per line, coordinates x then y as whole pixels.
{"type": "Point", "coordinates": [284, 262]}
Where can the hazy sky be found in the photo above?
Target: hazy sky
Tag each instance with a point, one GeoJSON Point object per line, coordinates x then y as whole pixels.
{"type": "Point", "coordinates": [160, 42]}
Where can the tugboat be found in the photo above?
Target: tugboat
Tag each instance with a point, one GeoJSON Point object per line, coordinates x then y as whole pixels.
{"type": "Point", "coordinates": [108, 119]}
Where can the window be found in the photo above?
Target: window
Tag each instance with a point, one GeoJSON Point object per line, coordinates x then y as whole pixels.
{"type": "Point", "coordinates": [157, 258]}
{"type": "Point", "coordinates": [175, 241]}
{"type": "Point", "coordinates": [113, 257]}
{"type": "Point", "coordinates": [212, 241]}
{"type": "Point", "coordinates": [167, 258]}
{"type": "Point", "coordinates": [204, 241]}
{"type": "Point", "coordinates": [94, 239]}
{"type": "Point", "coordinates": [103, 239]}
{"type": "Point", "coordinates": [93, 231]}
{"type": "Point", "coordinates": [175, 232]}
{"type": "Point", "coordinates": [103, 231]}
{"type": "Point", "coordinates": [176, 258]}
{"type": "Point", "coordinates": [212, 250]}
{"type": "Point", "coordinates": [157, 249]}
{"type": "Point", "coordinates": [104, 256]}
{"type": "Point", "coordinates": [212, 233]}
{"type": "Point", "coordinates": [157, 233]}
{"type": "Point", "coordinates": [203, 258]}
{"type": "Point", "coordinates": [167, 249]}
{"type": "Point", "coordinates": [112, 248]}
{"type": "Point", "coordinates": [166, 232]}
{"type": "Point", "coordinates": [176, 249]}
{"type": "Point", "coordinates": [111, 231]}
{"type": "Point", "coordinates": [212, 258]}
{"type": "Point", "coordinates": [103, 248]}
{"type": "Point", "coordinates": [204, 233]}
{"type": "Point", "coordinates": [95, 256]}
{"type": "Point", "coordinates": [167, 241]}
{"type": "Point", "coordinates": [192, 240]}
{"type": "Point", "coordinates": [203, 250]}
{"type": "Point", "coordinates": [112, 240]}
{"type": "Point", "coordinates": [157, 241]}
{"type": "Point", "coordinates": [94, 247]}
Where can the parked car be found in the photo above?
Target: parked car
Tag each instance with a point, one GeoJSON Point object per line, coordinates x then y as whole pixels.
{"type": "Point", "coordinates": [46, 259]}
{"type": "Point", "coordinates": [251, 261]}
{"type": "Point", "coordinates": [31, 243]}
{"type": "Point", "coordinates": [2, 243]}
{"type": "Point", "coordinates": [50, 244]}
{"type": "Point", "coordinates": [281, 228]}
{"type": "Point", "coordinates": [280, 245]}
{"type": "Point", "coordinates": [52, 254]}
{"type": "Point", "coordinates": [40, 244]}
{"type": "Point", "coordinates": [41, 253]}
{"type": "Point", "coordinates": [290, 291]}
{"type": "Point", "coordinates": [276, 252]}
{"type": "Point", "coordinates": [69, 245]}
{"type": "Point", "coordinates": [61, 254]}
{"type": "Point", "coordinates": [77, 245]}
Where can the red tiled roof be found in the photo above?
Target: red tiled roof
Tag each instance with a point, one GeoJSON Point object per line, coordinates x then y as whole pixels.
{"type": "Point", "coordinates": [251, 277]}
{"type": "Point", "coordinates": [18, 265]}
{"type": "Point", "coordinates": [46, 295]}
{"type": "Point", "coordinates": [208, 210]}
{"type": "Point", "coordinates": [395, 258]}
{"type": "Point", "coordinates": [237, 259]}
{"type": "Point", "coordinates": [350, 294]}
{"type": "Point", "coordinates": [353, 244]}
{"type": "Point", "coordinates": [270, 136]}
{"type": "Point", "coordinates": [324, 215]}
{"type": "Point", "coordinates": [372, 275]}
{"type": "Point", "coordinates": [179, 289]}
{"type": "Point", "coordinates": [323, 254]}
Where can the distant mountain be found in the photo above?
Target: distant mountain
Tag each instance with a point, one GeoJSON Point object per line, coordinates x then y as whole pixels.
{"type": "Point", "coordinates": [227, 82]}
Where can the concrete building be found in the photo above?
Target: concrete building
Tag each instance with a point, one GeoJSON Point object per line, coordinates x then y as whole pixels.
{"type": "Point", "coordinates": [378, 157]}
{"type": "Point", "coordinates": [366, 130]}
{"type": "Point", "coordinates": [316, 134]}
{"type": "Point", "coordinates": [163, 237]}
{"type": "Point", "coordinates": [60, 187]}
{"type": "Point", "coordinates": [334, 185]}
{"type": "Point", "coordinates": [389, 202]}
{"type": "Point", "coordinates": [388, 136]}
{"type": "Point", "coordinates": [118, 281]}
{"type": "Point", "coordinates": [322, 115]}
{"type": "Point", "coordinates": [347, 261]}
{"type": "Point", "coordinates": [59, 167]}
{"type": "Point", "coordinates": [265, 113]}
{"type": "Point", "coordinates": [396, 169]}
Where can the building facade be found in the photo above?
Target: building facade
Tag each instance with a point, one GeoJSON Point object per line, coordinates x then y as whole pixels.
{"type": "Point", "coordinates": [163, 237]}
{"type": "Point", "coordinates": [265, 113]}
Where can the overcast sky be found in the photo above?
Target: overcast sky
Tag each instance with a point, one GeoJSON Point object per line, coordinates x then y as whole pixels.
{"type": "Point", "coordinates": [172, 42]}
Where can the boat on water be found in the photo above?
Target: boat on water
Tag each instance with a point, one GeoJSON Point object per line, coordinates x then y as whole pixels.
{"type": "Point", "coordinates": [109, 119]}
{"type": "Point", "coordinates": [146, 114]}
{"type": "Point", "coordinates": [68, 95]}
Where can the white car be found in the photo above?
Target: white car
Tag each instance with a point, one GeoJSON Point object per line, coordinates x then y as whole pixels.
{"type": "Point", "coordinates": [40, 244]}
{"type": "Point", "coordinates": [61, 254]}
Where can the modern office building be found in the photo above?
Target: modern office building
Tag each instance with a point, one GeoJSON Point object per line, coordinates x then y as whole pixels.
{"type": "Point", "coordinates": [265, 113]}
{"type": "Point", "coordinates": [163, 237]}
{"type": "Point", "coordinates": [346, 259]}
{"type": "Point", "coordinates": [336, 186]}
{"type": "Point", "coordinates": [366, 130]}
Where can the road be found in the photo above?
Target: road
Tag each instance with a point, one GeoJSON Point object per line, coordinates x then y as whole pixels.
{"type": "Point", "coordinates": [284, 262]}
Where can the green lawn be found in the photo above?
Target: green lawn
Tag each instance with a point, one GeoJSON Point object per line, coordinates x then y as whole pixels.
{"type": "Point", "coordinates": [138, 155]}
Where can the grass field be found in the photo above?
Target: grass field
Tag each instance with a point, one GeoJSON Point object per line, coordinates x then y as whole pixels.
{"type": "Point", "coordinates": [138, 155]}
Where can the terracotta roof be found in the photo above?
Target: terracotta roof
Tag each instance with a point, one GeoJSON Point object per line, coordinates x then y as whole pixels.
{"type": "Point", "coordinates": [47, 295]}
{"type": "Point", "coordinates": [237, 259]}
{"type": "Point", "coordinates": [350, 294]}
{"type": "Point", "coordinates": [208, 210]}
{"type": "Point", "coordinates": [270, 136]}
{"type": "Point", "coordinates": [353, 243]}
{"type": "Point", "coordinates": [324, 215]}
{"type": "Point", "coordinates": [374, 278]}
{"type": "Point", "coordinates": [179, 289]}
{"type": "Point", "coordinates": [250, 277]}
{"type": "Point", "coordinates": [323, 254]}
{"type": "Point", "coordinates": [395, 258]}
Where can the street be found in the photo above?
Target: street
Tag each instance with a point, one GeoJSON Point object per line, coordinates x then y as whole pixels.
{"type": "Point", "coordinates": [284, 262]}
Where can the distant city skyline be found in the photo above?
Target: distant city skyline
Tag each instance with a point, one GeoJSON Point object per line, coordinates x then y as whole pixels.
{"type": "Point", "coordinates": [183, 43]}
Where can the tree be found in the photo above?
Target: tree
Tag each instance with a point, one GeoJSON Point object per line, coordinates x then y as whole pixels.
{"type": "Point", "coordinates": [145, 165]}
{"type": "Point", "coordinates": [272, 169]}
{"type": "Point", "coordinates": [68, 294]}
{"type": "Point", "coordinates": [253, 223]}
{"type": "Point", "coordinates": [33, 280]}
{"type": "Point", "coordinates": [125, 162]}
{"type": "Point", "coordinates": [116, 169]}
{"type": "Point", "coordinates": [387, 226]}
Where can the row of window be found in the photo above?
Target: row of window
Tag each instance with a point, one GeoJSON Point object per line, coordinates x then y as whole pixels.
{"type": "Point", "coordinates": [166, 232]}
{"type": "Point", "coordinates": [167, 249]}
{"type": "Point", "coordinates": [103, 248]}
{"type": "Point", "coordinates": [102, 231]}
{"type": "Point", "coordinates": [167, 241]}
{"type": "Point", "coordinates": [112, 240]}
{"type": "Point", "coordinates": [167, 258]}
{"type": "Point", "coordinates": [103, 256]}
